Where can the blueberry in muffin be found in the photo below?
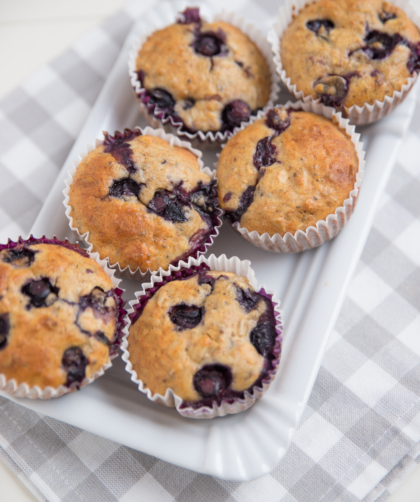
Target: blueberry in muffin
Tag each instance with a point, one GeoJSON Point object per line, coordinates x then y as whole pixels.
{"type": "Point", "coordinates": [206, 335]}
{"type": "Point", "coordinates": [203, 76]}
{"type": "Point", "coordinates": [285, 172]}
{"type": "Point", "coordinates": [60, 315]}
{"type": "Point", "coordinates": [347, 52]}
{"type": "Point", "coordinates": [144, 202]}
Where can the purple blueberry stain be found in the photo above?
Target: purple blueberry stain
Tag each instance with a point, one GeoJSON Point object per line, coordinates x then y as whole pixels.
{"type": "Point", "coordinates": [263, 336]}
{"type": "Point", "coordinates": [211, 43]}
{"type": "Point", "coordinates": [186, 316]}
{"type": "Point", "coordinates": [380, 45]}
{"type": "Point", "coordinates": [321, 27]}
{"type": "Point", "coordinates": [124, 187]}
{"type": "Point", "coordinates": [191, 15]}
{"type": "Point", "coordinates": [170, 205]}
{"type": "Point", "coordinates": [264, 156]}
{"type": "Point", "coordinates": [262, 171]}
{"type": "Point", "coordinates": [161, 98]}
{"type": "Point", "coordinates": [278, 119]}
{"type": "Point", "coordinates": [4, 330]}
{"type": "Point", "coordinates": [212, 380]}
{"type": "Point", "coordinates": [119, 147]}
{"type": "Point", "coordinates": [332, 89]}
{"type": "Point", "coordinates": [204, 278]}
{"type": "Point", "coordinates": [247, 299]}
{"type": "Point", "coordinates": [74, 363]}
{"type": "Point", "coordinates": [234, 113]}
{"type": "Point", "coordinates": [188, 103]}
{"type": "Point", "coordinates": [101, 337]}
{"type": "Point", "coordinates": [245, 201]}
{"type": "Point", "coordinates": [227, 197]}
{"type": "Point", "coordinates": [204, 198]}
{"type": "Point", "coordinates": [386, 16]}
{"type": "Point", "coordinates": [141, 75]}
{"type": "Point", "coordinates": [413, 63]}
{"type": "Point", "coordinates": [41, 293]}
{"type": "Point", "coordinates": [19, 256]}
{"type": "Point", "coordinates": [96, 300]}
{"type": "Point", "coordinates": [265, 153]}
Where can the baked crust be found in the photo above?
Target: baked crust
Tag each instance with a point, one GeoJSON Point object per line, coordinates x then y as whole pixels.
{"type": "Point", "coordinates": [37, 337]}
{"type": "Point", "coordinates": [202, 86]}
{"type": "Point", "coordinates": [309, 56]}
{"type": "Point", "coordinates": [312, 172]}
{"type": "Point", "coordinates": [167, 356]}
{"type": "Point", "coordinates": [125, 229]}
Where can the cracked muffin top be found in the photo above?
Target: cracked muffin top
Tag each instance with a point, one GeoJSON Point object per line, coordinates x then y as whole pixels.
{"type": "Point", "coordinates": [285, 172]}
{"type": "Point", "coordinates": [59, 314]}
{"type": "Point", "coordinates": [350, 52]}
{"type": "Point", "coordinates": [144, 202]}
{"type": "Point", "coordinates": [207, 76]}
{"type": "Point", "coordinates": [207, 336]}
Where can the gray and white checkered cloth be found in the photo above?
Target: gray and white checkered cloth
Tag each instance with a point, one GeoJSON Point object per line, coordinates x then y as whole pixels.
{"type": "Point", "coordinates": [360, 433]}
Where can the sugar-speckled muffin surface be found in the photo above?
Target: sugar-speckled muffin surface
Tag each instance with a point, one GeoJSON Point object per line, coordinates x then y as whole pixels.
{"type": "Point", "coordinates": [350, 52]}
{"type": "Point", "coordinates": [285, 172]}
{"type": "Point", "coordinates": [59, 314]}
{"type": "Point", "coordinates": [144, 202]}
{"type": "Point", "coordinates": [207, 337]}
{"type": "Point", "coordinates": [208, 76]}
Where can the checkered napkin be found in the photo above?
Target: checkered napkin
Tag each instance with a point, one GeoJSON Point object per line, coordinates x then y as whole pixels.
{"type": "Point", "coordinates": [360, 433]}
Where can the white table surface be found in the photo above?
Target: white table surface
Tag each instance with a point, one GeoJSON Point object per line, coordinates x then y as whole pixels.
{"type": "Point", "coordinates": [34, 32]}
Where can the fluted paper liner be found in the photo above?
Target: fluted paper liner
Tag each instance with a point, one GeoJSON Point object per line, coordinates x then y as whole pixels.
{"type": "Point", "coordinates": [358, 115]}
{"type": "Point", "coordinates": [158, 118]}
{"type": "Point", "coordinates": [23, 389]}
{"type": "Point", "coordinates": [223, 264]}
{"type": "Point", "coordinates": [137, 273]}
{"type": "Point", "coordinates": [326, 229]}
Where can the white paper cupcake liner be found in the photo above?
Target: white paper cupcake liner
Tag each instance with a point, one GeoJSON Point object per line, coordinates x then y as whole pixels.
{"type": "Point", "coordinates": [127, 272]}
{"type": "Point", "coordinates": [24, 390]}
{"type": "Point", "coordinates": [199, 139]}
{"type": "Point", "coordinates": [357, 115]}
{"type": "Point", "coordinates": [326, 229]}
{"type": "Point", "coordinates": [223, 264]}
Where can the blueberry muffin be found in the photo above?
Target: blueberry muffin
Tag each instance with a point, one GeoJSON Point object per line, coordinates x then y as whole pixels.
{"type": "Point", "coordinates": [144, 202]}
{"type": "Point", "coordinates": [204, 76]}
{"type": "Point", "coordinates": [206, 335]}
{"type": "Point", "coordinates": [350, 52]}
{"type": "Point", "coordinates": [60, 316]}
{"type": "Point", "coordinates": [285, 172]}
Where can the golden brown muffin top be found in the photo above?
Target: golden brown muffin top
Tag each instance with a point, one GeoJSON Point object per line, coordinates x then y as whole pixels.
{"type": "Point", "coordinates": [144, 202]}
{"type": "Point", "coordinates": [350, 52]}
{"type": "Point", "coordinates": [58, 315]}
{"type": "Point", "coordinates": [206, 337]}
{"type": "Point", "coordinates": [209, 75]}
{"type": "Point", "coordinates": [285, 172]}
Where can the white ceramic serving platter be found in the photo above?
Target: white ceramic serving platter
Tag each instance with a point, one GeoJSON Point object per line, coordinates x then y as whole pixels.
{"type": "Point", "coordinates": [311, 286]}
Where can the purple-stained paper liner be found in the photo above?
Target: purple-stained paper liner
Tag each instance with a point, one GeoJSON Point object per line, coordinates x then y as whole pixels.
{"type": "Point", "coordinates": [137, 273]}
{"type": "Point", "coordinates": [357, 115]}
{"type": "Point", "coordinates": [185, 270]}
{"type": "Point", "coordinates": [35, 392]}
{"type": "Point", "coordinates": [326, 229]}
{"type": "Point", "coordinates": [157, 117]}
